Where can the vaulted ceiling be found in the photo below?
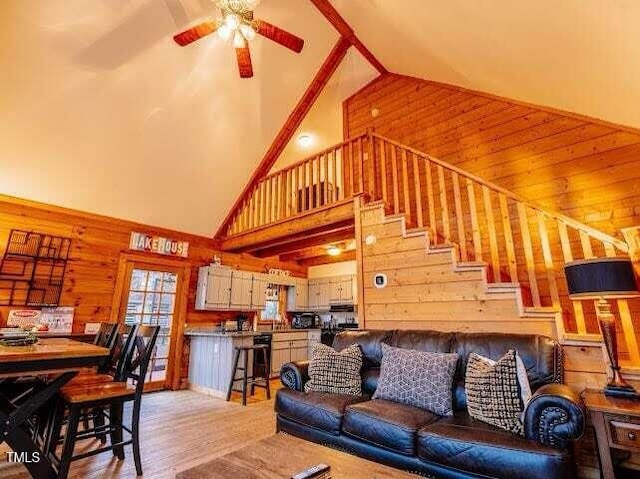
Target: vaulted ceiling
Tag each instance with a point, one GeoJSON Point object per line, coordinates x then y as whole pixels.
{"type": "Point", "coordinates": [576, 55]}
{"type": "Point", "coordinates": [101, 111]}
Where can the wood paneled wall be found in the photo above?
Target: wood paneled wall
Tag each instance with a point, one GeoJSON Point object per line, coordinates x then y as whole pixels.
{"type": "Point", "coordinates": [587, 169]}
{"type": "Point", "coordinates": [426, 289]}
{"type": "Point", "coordinates": [97, 243]}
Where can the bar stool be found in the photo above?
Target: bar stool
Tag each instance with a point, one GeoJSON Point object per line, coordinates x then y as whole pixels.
{"type": "Point", "coordinates": [253, 381]}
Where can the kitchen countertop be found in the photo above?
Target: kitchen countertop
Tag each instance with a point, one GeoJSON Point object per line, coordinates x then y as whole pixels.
{"type": "Point", "coordinates": [230, 334]}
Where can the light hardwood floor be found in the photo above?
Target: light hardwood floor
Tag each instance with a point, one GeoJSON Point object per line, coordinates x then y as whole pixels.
{"type": "Point", "coordinates": [180, 429]}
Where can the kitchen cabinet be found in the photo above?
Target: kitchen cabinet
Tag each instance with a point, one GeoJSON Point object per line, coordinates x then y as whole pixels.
{"type": "Point", "coordinates": [341, 290]}
{"type": "Point", "coordinates": [298, 296]}
{"type": "Point", "coordinates": [214, 288]}
{"type": "Point", "coordinates": [241, 288]}
{"type": "Point", "coordinates": [290, 346]}
{"type": "Point", "coordinates": [259, 291]}
{"type": "Point", "coordinates": [319, 294]}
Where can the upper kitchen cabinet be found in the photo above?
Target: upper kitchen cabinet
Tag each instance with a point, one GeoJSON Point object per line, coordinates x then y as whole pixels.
{"type": "Point", "coordinates": [298, 296]}
{"type": "Point", "coordinates": [341, 289]}
{"type": "Point", "coordinates": [241, 290]}
{"type": "Point", "coordinates": [214, 288]}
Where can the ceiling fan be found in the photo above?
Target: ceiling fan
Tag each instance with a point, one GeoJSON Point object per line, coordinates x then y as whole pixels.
{"type": "Point", "coordinates": [238, 23]}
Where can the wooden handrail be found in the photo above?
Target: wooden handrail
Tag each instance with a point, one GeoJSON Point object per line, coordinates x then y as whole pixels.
{"type": "Point", "coordinates": [597, 234]}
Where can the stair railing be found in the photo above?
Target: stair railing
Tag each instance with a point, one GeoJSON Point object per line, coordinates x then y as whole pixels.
{"type": "Point", "coordinates": [520, 241]}
{"type": "Point", "coordinates": [329, 176]}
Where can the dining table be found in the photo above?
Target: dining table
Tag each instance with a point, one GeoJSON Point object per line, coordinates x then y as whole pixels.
{"type": "Point", "coordinates": [55, 361]}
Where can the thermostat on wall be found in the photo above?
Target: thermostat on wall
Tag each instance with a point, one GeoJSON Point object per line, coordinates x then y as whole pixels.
{"type": "Point", "coordinates": [380, 280]}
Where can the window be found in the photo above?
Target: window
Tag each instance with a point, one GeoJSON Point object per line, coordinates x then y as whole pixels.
{"type": "Point", "coordinates": [275, 303]}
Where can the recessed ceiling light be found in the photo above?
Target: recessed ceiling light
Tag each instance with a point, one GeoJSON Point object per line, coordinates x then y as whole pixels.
{"type": "Point", "coordinates": [305, 140]}
{"type": "Point", "coordinates": [333, 250]}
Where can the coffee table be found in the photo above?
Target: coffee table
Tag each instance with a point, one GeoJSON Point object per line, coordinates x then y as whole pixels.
{"type": "Point", "coordinates": [282, 455]}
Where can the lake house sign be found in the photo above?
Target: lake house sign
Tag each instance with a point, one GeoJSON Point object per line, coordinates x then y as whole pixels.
{"type": "Point", "coordinates": [158, 245]}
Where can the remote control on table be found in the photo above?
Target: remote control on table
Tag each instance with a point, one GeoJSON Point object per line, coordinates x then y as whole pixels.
{"type": "Point", "coordinates": [313, 472]}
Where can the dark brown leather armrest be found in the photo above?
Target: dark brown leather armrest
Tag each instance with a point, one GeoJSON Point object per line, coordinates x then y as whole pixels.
{"type": "Point", "coordinates": [295, 374]}
{"type": "Point", "coordinates": [555, 416]}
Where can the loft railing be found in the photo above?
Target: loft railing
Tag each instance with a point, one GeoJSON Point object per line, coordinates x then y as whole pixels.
{"type": "Point", "coordinates": [332, 175]}
{"type": "Point", "coordinates": [520, 241]}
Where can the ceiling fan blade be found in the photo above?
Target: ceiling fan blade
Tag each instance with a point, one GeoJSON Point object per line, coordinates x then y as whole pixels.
{"type": "Point", "coordinates": [244, 61]}
{"type": "Point", "coordinates": [195, 33]}
{"type": "Point", "coordinates": [279, 35]}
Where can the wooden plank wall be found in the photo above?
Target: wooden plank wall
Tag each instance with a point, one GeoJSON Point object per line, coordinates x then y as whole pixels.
{"type": "Point", "coordinates": [97, 243]}
{"type": "Point", "coordinates": [425, 291]}
{"type": "Point", "coordinates": [587, 169]}
{"type": "Point", "coordinates": [584, 168]}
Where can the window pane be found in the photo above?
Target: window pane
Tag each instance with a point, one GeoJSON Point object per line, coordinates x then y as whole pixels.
{"type": "Point", "coordinates": [155, 281]}
{"type": "Point", "coordinates": [170, 281]}
{"type": "Point", "coordinates": [134, 304]}
{"type": "Point", "coordinates": [149, 319]}
{"type": "Point", "coordinates": [138, 280]}
{"type": "Point", "coordinates": [164, 320]}
{"type": "Point", "coordinates": [152, 303]}
{"type": "Point", "coordinates": [167, 303]}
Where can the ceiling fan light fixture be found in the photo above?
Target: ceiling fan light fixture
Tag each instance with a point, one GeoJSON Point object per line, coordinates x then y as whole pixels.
{"type": "Point", "coordinates": [232, 21]}
{"type": "Point", "coordinates": [238, 40]}
{"type": "Point", "coordinates": [224, 32]}
{"type": "Point", "coordinates": [247, 31]}
{"type": "Point", "coordinates": [333, 250]}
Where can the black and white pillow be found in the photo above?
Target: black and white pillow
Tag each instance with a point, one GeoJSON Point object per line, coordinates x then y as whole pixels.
{"type": "Point", "coordinates": [417, 378]}
{"type": "Point", "coordinates": [335, 372]}
{"type": "Point", "coordinates": [497, 391]}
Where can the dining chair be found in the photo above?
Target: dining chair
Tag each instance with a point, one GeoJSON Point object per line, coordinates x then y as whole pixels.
{"type": "Point", "coordinates": [108, 399]}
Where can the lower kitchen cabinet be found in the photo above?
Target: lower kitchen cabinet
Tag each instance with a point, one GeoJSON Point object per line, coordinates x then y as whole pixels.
{"type": "Point", "coordinates": [291, 346]}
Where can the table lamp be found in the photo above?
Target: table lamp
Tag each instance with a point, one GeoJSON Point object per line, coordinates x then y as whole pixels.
{"type": "Point", "coordinates": [601, 279]}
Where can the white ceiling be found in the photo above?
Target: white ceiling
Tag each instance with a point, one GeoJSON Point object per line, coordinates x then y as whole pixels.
{"type": "Point", "coordinates": [102, 112]}
{"type": "Point", "coordinates": [576, 55]}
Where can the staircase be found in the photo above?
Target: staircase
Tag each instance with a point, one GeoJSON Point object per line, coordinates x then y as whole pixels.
{"type": "Point", "coordinates": [507, 248]}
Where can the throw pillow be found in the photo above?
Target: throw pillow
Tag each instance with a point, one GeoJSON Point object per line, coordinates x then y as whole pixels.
{"type": "Point", "coordinates": [417, 378]}
{"type": "Point", "coordinates": [335, 372]}
{"type": "Point", "coordinates": [497, 391]}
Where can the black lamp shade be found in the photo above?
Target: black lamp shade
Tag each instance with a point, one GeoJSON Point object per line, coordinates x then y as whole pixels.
{"type": "Point", "coordinates": [601, 278]}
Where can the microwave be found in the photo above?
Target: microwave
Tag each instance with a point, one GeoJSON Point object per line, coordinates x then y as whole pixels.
{"type": "Point", "coordinates": [305, 321]}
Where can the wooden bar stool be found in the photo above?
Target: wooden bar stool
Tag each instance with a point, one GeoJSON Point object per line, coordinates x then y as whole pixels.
{"type": "Point", "coordinates": [253, 381]}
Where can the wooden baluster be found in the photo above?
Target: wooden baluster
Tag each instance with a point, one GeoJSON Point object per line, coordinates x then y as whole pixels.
{"type": "Point", "coordinates": [268, 201]}
{"type": "Point", "coordinates": [493, 239]}
{"type": "Point", "coordinates": [508, 238]}
{"type": "Point", "coordinates": [283, 194]}
{"type": "Point", "coordinates": [444, 205]}
{"type": "Point", "coordinates": [256, 206]}
{"type": "Point", "coordinates": [548, 260]}
{"type": "Point", "coordinates": [475, 227]}
{"type": "Point", "coordinates": [251, 207]}
{"type": "Point", "coordinates": [383, 170]}
{"type": "Point", "coordinates": [462, 238]}
{"type": "Point", "coordinates": [340, 164]}
{"type": "Point", "coordinates": [372, 165]}
{"type": "Point", "coordinates": [361, 165]}
{"type": "Point", "coordinates": [290, 192]}
{"type": "Point", "coordinates": [334, 177]}
{"type": "Point", "coordinates": [418, 190]}
{"type": "Point", "coordinates": [585, 241]}
{"type": "Point", "coordinates": [431, 200]}
{"type": "Point", "coordinates": [296, 189]}
{"type": "Point", "coordinates": [305, 186]}
{"type": "Point", "coordinates": [351, 169]}
{"type": "Point", "coordinates": [528, 254]}
{"type": "Point", "coordinates": [405, 186]}
{"type": "Point", "coordinates": [394, 180]}
{"type": "Point", "coordinates": [325, 183]}
{"type": "Point", "coordinates": [567, 255]}
{"type": "Point", "coordinates": [318, 184]}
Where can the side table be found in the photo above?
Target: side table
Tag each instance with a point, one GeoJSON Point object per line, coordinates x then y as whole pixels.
{"type": "Point", "coordinates": [617, 425]}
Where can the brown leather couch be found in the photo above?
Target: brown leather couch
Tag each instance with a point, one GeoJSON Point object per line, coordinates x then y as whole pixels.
{"type": "Point", "coordinates": [445, 447]}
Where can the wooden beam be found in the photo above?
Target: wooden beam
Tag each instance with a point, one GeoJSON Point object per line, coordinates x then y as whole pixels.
{"type": "Point", "coordinates": [288, 129]}
{"type": "Point", "coordinates": [295, 245]}
{"type": "Point", "coordinates": [346, 256]}
{"type": "Point", "coordinates": [340, 24]}
{"type": "Point", "coordinates": [323, 219]}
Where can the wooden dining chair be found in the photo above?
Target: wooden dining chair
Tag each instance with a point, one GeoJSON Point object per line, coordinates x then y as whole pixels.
{"type": "Point", "coordinates": [109, 398]}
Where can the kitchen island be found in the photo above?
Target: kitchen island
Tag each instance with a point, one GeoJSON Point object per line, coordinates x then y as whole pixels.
{"type": "Point", "coordinates": [211, 354]}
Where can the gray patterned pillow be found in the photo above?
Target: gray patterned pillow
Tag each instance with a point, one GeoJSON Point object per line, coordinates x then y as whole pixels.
{"type": "Point", "coordinates": [417, 378]}
{"type": "Point", "coordinates": [335, 372]}
{"type": "Point", "coordinates": [493, 391]}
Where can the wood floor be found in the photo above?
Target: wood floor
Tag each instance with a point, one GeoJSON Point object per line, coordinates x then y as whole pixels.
{"type": "Point", "coordinates": [180, 429]}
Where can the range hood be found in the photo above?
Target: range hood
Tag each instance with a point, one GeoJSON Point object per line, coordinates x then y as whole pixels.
{"type": "Point", "coordinates": [341, 308]}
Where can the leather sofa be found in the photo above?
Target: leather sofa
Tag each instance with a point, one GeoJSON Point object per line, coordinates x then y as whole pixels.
{"type": "Point", "coordinates": [443, 447]}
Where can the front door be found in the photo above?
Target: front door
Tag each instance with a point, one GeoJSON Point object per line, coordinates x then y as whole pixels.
{"type": "Point", "coordinates": [151, 295]}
